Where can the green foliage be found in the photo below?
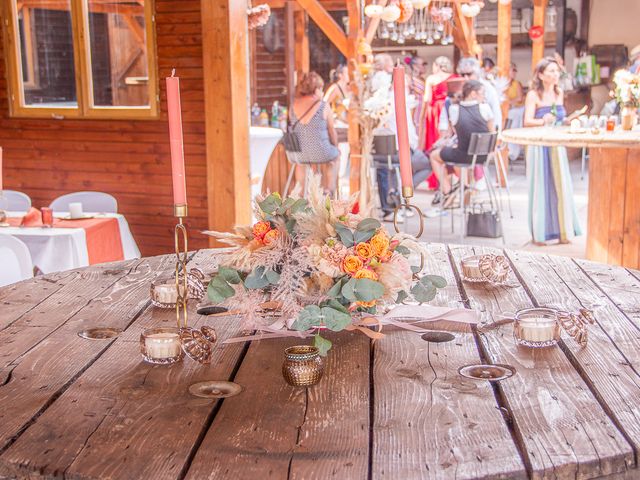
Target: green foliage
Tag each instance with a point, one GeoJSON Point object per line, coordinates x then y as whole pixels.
{"type": "Point", "coordinates": [345, 234]}
{"type": "Point", "coordinates": [368, 224]}
{"type": "Point", "coordinates": [229, 275]}
{"type": "Point", "coordinates": [219, 289]}
{"type": "Point", "coordinates": [402, 250]}
{"type": "Point", "coordinates": [426, 288]}
{"type": "Point", "coordinates": [261, 277]}
{"type": "Point", "coordinates": [363, 289]}
{"type": "Point", "coordinates": [322, 344]}
{"type": "Point", "coordinates": [271, 203]}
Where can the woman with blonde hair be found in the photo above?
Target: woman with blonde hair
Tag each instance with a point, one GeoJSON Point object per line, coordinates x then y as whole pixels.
{"type": "Point", "coordinates": [435, 93]}
{"type": "Point", "coordinates": [311, 120]}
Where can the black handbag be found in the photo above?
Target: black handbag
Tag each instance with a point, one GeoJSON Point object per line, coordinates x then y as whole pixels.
{"type": "Point", "coordinates": [484, 224]}
{"type": "Point", "coordinates": [290, 137]}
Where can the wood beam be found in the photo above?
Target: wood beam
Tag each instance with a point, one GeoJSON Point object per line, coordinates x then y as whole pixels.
{"type": "Point", "coordinates": [224, 54]}
{"type": "Point", "coordinates": [504, 38]}
{"type": "Point", "coordinates": [301, 35]}
{"type": "Point", "coordinates": [123, 9]}
{"type": "Point", "coordinates": [464, 34]}
{"type": "Point", "coordinates": [327, 24]}
{"type": "Point", "coordinates": [136, 29]}
{"type": "Point", "coordinates": [537, 48]}
{"type": "Point", "coordinates": [289, 49]}
{"type": "Point", "coordinates": [355, 150]}
{"type": "Point", "coordinates": [373, 24]}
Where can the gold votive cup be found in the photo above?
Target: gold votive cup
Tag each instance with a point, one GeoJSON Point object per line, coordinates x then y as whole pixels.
{"type": "Point", "coordinates": [303, 366]}
{"type": "Point", "coordinates": [161, 345]}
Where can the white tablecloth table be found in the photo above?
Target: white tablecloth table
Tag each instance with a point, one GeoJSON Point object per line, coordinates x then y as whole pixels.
{"type": "Point", "coordinates": [58, 249]}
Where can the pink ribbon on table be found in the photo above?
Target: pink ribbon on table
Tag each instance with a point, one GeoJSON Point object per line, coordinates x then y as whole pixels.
{"type": "Point", "coordinates": [402, 316]}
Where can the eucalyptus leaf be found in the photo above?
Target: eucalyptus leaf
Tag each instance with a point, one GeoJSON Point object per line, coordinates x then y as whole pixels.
{"type": "Point", "coordinates": [286, 205]}
{"type": "Point", "coordinates": [290, 225]}
{"type": "Point", "coordinates": [256, 279]}
{"type": "Point", "coordinates": [368, 224]}
{"type": "Point", "coordinates": [367, 290]}
{"type": "Point", "coordinates": [422, 293]}
{"type": "Point", "coordinates": [348, 290]}
{"type": "Point", "coordinates": [219, 290]}
{"type": "Point", "coordinates": [401, 249]}
{"type": "Point", "coordinates": [415, 268]}
{"type": "Point", "coordinates": [335, 320]}
{"type": "Point", "coordinates": [336, 305]}
{"type": "Point", "coordinates": [437, 281]}
{"type": "Point", "coordinates": [308, 317]}
{"type": "Point", "coordinates": [402, 296]}
{"type": "Point", "coordinates": [335, 291]}
{"type": "Point", "coordinates": [270, 204]}
{"type": "Point", "coordinates": [230, 275]}
{"type": "Point", "coordinates": [322, 344]}
{"type": "Point", "coordinates": [299, 205]}
{"type": "Point", "coordinates": [345, 234]}
{"type": "Point", "coordinates": [363, 236]}
{"type": "Point", "coordinates": [272, 276]}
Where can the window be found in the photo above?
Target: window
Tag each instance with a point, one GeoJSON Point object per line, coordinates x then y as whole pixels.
{"type": "Point", "coordinates": [81, 58]}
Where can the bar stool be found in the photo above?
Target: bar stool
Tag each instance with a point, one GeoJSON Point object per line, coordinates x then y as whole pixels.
{"type": "Point", "coordinates": [481, 144]}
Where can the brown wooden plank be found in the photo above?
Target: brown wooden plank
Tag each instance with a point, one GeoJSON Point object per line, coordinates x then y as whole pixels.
{"type": "Point", "coordinates": [561, 425]}
{"type": "Point", "coordinates": [125, 418]}
{"type": "Point", "coordinates": [611, 361]}
{"type": "Point", "coordinates": [601, 173]}
{"type": "Point", "coordinates": [631, 246]}
{"type": "Point", "coordinates": [429, 422]}
{"type": "Point", "coordinates": [40, 374]}
{"type": "Point", "coordinates": [279, 431]}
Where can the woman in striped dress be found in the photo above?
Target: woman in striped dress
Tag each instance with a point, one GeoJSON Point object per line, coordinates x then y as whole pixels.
{"type": "Point", "coordinates": [552, 211]}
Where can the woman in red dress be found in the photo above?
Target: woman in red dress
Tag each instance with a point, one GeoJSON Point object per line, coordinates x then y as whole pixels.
{"type": "Point", "coordinates": [435, 93]}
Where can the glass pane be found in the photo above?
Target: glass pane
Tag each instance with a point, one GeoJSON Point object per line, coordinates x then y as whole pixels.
{"type": "Point", "coordinates": [118, 50]}
{"type": "Point", "coordinates": [46, 53]}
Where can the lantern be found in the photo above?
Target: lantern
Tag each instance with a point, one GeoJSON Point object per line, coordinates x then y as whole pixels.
{"type": "Point", "coordinates": [390, 13]}
{"type": "Point", "coordinates": [373, 11]}
{"type": "Point", "coordinates": [420, 4]}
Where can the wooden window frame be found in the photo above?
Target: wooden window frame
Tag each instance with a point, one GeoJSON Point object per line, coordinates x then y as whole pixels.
{"type": "Point", "coordinates": [82, 61]}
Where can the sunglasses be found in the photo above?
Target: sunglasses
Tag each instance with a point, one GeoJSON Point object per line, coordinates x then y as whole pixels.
{"type": "Point", "coordinates": [466, 74]}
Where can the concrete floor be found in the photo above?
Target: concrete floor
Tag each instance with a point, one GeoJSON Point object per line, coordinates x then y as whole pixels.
{"type": "Point", "coordinates": [516, 229]}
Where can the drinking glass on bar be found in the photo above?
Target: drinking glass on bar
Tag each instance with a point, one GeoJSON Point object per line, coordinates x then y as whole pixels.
{"type": "Point", "coordinates": [47, 217]}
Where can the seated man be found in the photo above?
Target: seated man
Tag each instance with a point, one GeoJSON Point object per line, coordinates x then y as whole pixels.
{"type": "Point", "coordinates": [470, 116]}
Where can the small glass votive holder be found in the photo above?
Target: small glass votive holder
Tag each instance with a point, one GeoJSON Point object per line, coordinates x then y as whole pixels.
{"type": "Point", "coordinates": [303, 366]}
{"type": "Point", "coordinates": [536, 327]}
{"type": "Point", "coordinates": [164, 293]}
{"type": "Point", "coordinates": [161, 345]}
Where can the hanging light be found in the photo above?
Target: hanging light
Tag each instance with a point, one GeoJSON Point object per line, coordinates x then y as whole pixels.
{"type": "Point", "coordinates": [373, 11]}
{"type": "Point", "coordinates": [390, 13]}
{"type": "Point", "coordinates": [420, 4]}
{"type": "Point", "coordinates": [406, 11]}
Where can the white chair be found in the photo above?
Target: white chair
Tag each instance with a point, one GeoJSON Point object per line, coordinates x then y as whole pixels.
{"type": "Point", "coordinates": [14, 201]}
{"type": "Point", "coordinates": [15, 260]}
{"type": "Point", "coordinates": [96, 202]}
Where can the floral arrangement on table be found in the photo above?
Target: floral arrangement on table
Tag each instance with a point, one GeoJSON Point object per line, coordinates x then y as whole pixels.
{"type": "Point", "coordinates": [317, 264]}
{"type": "Point", "coordinates": [627, 88]}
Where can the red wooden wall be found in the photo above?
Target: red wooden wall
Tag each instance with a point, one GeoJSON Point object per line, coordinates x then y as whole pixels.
{"type": "Point", "coordinates": [130, 160]}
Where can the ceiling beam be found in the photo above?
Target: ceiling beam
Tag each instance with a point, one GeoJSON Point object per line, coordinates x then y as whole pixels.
{"type": "Point", "coordinates": [327, 24]}
{"type": "Point", "coordinates": [373, 24]}
{"type": "Point", "coordinates": [464, 33]}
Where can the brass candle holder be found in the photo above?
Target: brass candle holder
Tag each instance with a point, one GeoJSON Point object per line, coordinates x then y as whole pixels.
{"type": "Point", "coordinates": [407, 194]}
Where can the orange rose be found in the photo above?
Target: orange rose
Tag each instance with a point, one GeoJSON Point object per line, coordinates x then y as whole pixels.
{"type": "Point", "coordinates": [364, 251]}
{"type": "Point", "coordinates": [351, 264]}
{"type": "Point", "coordinates": [366, 273]}
{"type": "Point", "coordinates": [260, 229]}
{"type": "Point", "coordinates": [366, 304]}
{"type": "Point", "coordinates": [380, 244]}
{"type": "Point", "coordinates": [270, 237]}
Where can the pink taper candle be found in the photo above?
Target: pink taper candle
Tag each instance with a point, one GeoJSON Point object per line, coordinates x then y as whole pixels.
{"type": "Point", "coordinates": [175, 139]}
{"type": "Point", "coordinates": [402, 129]}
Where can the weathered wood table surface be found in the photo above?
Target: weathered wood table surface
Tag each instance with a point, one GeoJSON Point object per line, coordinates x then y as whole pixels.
{"type": "Point", "coordinates": [613, 230]}
{"type": "Point", "coordinates": [397, 409]}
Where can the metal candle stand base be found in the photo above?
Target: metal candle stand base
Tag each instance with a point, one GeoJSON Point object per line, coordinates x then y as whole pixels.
{"type": "Point", "coordinates": [407, 193]}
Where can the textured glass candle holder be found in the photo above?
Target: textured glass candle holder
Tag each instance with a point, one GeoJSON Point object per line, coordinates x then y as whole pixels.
{"type": "Point", "coordinates": [536, 327]}
{"type": "Point", "coordinates": [161, 345]}
{"type": "Point", "coordinates": [303, 366]}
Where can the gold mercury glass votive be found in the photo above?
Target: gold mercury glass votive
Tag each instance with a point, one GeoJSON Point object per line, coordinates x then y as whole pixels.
{"type": "Point", "coordinates": [303, 366]}
{"type": "Point", "coordinates": [536, 327]}
{"type": "Point", "coordinates": [161, 345]}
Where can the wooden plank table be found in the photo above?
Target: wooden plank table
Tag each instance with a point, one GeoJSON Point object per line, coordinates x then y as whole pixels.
{"type": "Point", "coordinates": [397, 409]}
{"type": "Point", "coordinates": [613, 219]}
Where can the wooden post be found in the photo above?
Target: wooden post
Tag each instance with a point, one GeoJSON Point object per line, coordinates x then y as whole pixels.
{"type": "Point", "coordinates": [289, 49]}
{"type": "Point", "coordinates": [355, 151]}
{"type": "Point", "coordinates": [537, 49]}
{"type": "Point", "coordinates": [464, 36]}
{"type": "Point", "coordinates": [561, 6]}
{"type": "Point", "coordinates": [224, 52]}
{"type": "Point", "coordinates": [504, 47]}
{"type": "Point", "coordinates": [301, 22]}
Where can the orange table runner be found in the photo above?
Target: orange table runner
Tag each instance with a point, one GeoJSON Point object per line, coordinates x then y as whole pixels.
{"type": "Point", "coordinates": [104, 243]}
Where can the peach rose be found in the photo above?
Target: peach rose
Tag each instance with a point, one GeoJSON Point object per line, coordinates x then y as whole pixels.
{"type": "Point", "coordinates": [380, 244]}
{"type": "Point", "coordinates": [351, 264]}
{"type": "Point", "coordinates": [364, 250]}
{"type": "Point", "coordinates": [270, 237]}
{"type": "Point", "coordinates": [366, 273]}
{"type": "Point", "coordinates": [260, 229]}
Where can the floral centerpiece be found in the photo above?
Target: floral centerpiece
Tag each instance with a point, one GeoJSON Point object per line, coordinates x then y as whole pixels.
{"type": "Point", "coordinates": [318, 264]}
{"type": "Point", "coordinates": [627, 94]}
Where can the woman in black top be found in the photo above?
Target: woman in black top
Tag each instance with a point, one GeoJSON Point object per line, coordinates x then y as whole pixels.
{"type": "Point", "coordinates": [469, 116]}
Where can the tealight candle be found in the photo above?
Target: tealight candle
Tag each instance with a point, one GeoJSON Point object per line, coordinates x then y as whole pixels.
{"type": "Point", "coordinates": [75, 210]}
{"type": "Point", "coordinates": [164, 293]}
{"type": "Point", "coordinates": [161, 345]}
{"type": "Point", "coordinates": [536, 327]}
